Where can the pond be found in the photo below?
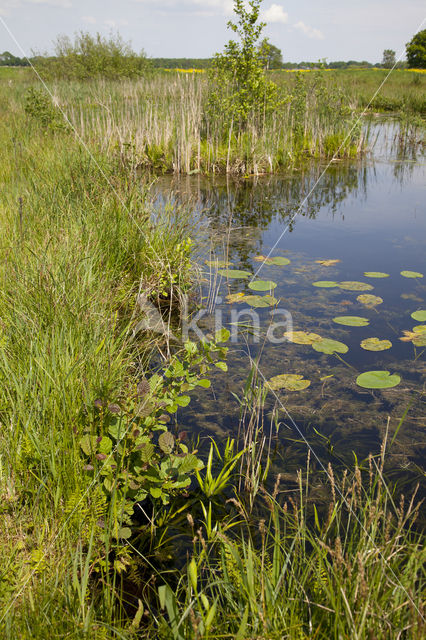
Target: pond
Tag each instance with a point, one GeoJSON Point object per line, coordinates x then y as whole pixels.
{"type": "Point", "coordinates": [334, 230]}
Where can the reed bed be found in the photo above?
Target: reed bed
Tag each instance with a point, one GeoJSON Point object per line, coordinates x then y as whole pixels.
{"type": "Point", "coordinates": [163, 122]}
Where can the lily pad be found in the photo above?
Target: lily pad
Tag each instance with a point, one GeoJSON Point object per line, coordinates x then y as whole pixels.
{"type": "Point", "coordinates": [419, 328]}
{"type": "Point", "coordinates": [302, 337]}
{"type": "Point", "coordinates": [420, 315]}
{"type": "Point", "coordinates": [351, 321]}
{"type": "Point", "coordinates": [375, 344]}
{"type": "Point", "coordinates": [352, 285]}
{"type": "Point", "coordinates": [369, 300]}
{"type": "Point", "coordinates": [375, 274]}
{"type": "Point", "coordinates": [329, 346]}
{"type": "Point", "coordinates": [262, 285]}
{"type": "Point", "coordinates": [278, 261]}
{"type": "Point", "coordinates": [327, 284]}
{"type": "Point", "coordinates": [288, 381]}
{"type": "Point", "coordinates": [234, 297]}
{"type": "Point", "coordinates": [234, 273]}
{"type": "Point", "coordinates": [219, 264]}
{"type": "Point", "coordinates": [260, 301]}
{"type": "Point", "coordinates": [378, 380]}
{"type": "Point", "coordinates": [327, 263]}
{"type": "Point", "coordinates": [411, 274]}
{"type": "Point", "coordinates": [417, 336]}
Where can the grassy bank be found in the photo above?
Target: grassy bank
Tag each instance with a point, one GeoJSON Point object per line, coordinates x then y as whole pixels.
{"type": "Point", "coordinates": [78, 249]}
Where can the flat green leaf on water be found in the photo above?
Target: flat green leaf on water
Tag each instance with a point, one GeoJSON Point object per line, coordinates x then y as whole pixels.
{"type": "Point", "coordinates": [288, 381]}
{"type": "Point", "coordinates": [234, 273]}
{"type": "Point", "coordinates": [326, 284]}
{"type": "Point", "coordinates": [420, 315]}
{"type": "Point", "coordinates": [278, 261]}
{"type": "Point", "coordinates": [302, 337]}
{"type": "Point", "coordinates": [351, 321]}
{"type": "Point", "coordinates": [378, 380]}
{"type": "Point", "coordinates": [375, 344]}
{"type": "Point", "coordinates": [375, 274]}
{"type": "Point", "coordinates": [369, 300]}
{"type": "Point", "coordinates": [411, 274]}
{"type": "Point", "coordinates": [260, 301]}
{"type": "Point", "coordinates": [329, 346]}
{"type": "Point", "coordinates": [352, 285]}
{"type": "Point", "coordinates": [419, 328]}
{"type": "Point", "coordinates": [234, 297]}
{"type": "Point", "coordinates": [262, 285]}
{"type": "Point", "coordinates": [219, 264]}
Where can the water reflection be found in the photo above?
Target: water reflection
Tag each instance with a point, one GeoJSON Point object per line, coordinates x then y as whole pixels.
{"type": "Point", "coordinates": [370, 216]}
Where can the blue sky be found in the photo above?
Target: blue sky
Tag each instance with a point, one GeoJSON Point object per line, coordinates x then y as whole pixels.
{"type": "Point", "coordinates": [302, 29]}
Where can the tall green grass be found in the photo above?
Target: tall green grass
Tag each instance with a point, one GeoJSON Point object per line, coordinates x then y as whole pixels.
{"type": "Point", "coordinates": [79, 244]}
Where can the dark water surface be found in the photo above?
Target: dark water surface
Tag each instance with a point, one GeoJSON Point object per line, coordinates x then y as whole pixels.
{"type": "Point", "coordinates": [371, 216]}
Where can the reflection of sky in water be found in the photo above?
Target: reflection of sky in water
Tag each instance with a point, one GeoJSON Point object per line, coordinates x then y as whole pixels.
{"type": "Point", "coordinates": [372, 218]}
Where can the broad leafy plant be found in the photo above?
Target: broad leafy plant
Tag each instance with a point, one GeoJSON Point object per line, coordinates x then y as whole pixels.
{"type": "Point", "coordinates": [128, 444]}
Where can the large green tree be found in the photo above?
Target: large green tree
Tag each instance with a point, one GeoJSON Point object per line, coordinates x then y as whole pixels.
{"type": "Point", "coordinates": [270, 55]}
{"type": "Point", "coordinates": [388, 59]}
{"type": "Point", "coordinates": [416, 51]}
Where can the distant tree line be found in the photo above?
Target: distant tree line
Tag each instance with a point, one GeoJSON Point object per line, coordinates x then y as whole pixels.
{"type": "Point", "coordinates": [7, 59]}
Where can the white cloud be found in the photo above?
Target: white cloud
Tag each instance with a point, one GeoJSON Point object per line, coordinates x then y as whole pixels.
{"type": "Point", "coordinates": [310, 32]}
{"type": "Point", "coordinates": [115, 23]}
{"type": "Point", "coordinates": [223, 6]}
{"type": "Point", "coordinates": [65, 4]}
{"type": "Point", "coordinates": [275, 13]}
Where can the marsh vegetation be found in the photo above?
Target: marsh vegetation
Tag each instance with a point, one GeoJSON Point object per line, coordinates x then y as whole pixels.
{"type": "Point", "coordinates": [159, 487]}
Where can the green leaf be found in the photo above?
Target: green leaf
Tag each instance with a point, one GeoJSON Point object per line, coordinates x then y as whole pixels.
{"type": "Point", "coordinates": [411, 274]}
{"type": "Point", "coordinates": [222, 335]}
{"type": "Point", "coordinates": [302, 337]}
{"type": "Point", "coordinates": [155, 492]}
{"type": "Point", "coordinates": [189, 463]}
{"type": "Point", "coordinates": [234, 273]}
{"type": "Point", "coordinates": [419, 315]}
{"type": "Point", "coordinates": [146, 451]}
{"type": "Point", "coordinates": [262, 285]}
{"type": "Point", "coordinates": [221, 365]}
{"type": "Point", "coordinates": [89, 444]}
{"type": "Point", "coordinates": [204, 383]}
{"type": "Point", "coordinates": [369, 300]}
{"type": "Point", "coordinates": [105, 445]}
{"type": "Point", "coordinates": [326, 345]}
{"type": "Point", "coordinates": [219, 264]}
{"type": "Point", "coordinates": [351, 321]}
{"type": "Point", "coordinates": [166, 442]}
{"type": "Point", "coordinates": [326, 284]}
{"type": "Point", "coordinates": [375, 274]}
{"type": "Point", "coordinates": [352, 285]}
{"type": "Point", "coordinates": [289, 381]}
{"type": "Point", "coordinates": [375, 344]}
{"type": "Point", "coordinates": [260, 301]}
{"type": "Point", "coordinates": [183, 401]}
{"type": "Point", "coordinates": [378, 380]}
{"type": "Point", "coordinates": [124, 533]}
{"type": "Point", "coordinates": [278, 261]}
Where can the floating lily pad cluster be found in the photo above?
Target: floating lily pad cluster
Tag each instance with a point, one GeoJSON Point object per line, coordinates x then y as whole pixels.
{"type": "Point", "coordinates": [347, 285]}
{"type": "Point", "coordinates": [379, 379]}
